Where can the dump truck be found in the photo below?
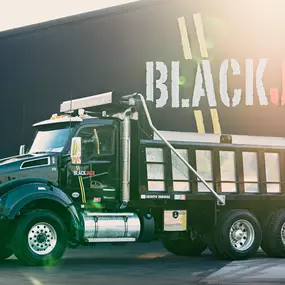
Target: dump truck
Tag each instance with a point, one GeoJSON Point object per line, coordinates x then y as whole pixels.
{"type": "Point", "coordinates": [100, 172]}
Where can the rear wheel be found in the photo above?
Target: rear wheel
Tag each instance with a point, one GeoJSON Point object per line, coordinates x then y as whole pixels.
{"type": "Point", "coordinates": [209, 238]}
{"type": "Point", "coordinates": [40, 238]}
{"type": "Point", "coordinates": [273, 243]}
{"type": "Point", "coordinates": [237, 235]}
{"type": "Point", "coordinates": [265, 245]}
{"type": "Point", "coordinates": [186, 246]}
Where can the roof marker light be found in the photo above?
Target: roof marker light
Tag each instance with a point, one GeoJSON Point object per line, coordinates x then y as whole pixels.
{"type": "Point", "coordinates": [81, 112]}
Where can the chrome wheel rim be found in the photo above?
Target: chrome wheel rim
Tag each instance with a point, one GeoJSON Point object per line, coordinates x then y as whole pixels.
{"type": "Point", "coordinates": [42, 238]}
{"type": "Point", "coordinates": [241, 235]}
{"type": "Point", "coordinates": [283, 233]}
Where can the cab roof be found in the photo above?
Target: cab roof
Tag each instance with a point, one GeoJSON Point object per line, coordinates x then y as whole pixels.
{"type": "Point", "coordinates": [61, 119]}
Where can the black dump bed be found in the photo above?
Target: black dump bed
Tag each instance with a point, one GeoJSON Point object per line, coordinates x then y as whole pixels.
{"type": "Point", "coordinates": [230, 168]}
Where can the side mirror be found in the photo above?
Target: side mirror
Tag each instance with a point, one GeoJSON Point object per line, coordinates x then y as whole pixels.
{"type": "Point", "coordinates": [76, 150]}
{"type": "Point", "coordinates": [22, 149]}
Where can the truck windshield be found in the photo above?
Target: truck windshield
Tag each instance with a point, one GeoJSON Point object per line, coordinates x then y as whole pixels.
{"type": "Point", "coordinates": [49, 139]}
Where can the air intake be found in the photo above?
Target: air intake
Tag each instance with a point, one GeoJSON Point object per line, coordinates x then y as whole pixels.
{"type": "Point", "coordinates": [35, 163]}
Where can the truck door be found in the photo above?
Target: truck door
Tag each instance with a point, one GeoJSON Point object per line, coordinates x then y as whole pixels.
{"type": "Point", "coordinates": [97, 177]}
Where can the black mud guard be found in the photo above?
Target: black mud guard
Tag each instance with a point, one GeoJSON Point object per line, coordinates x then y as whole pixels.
{"type": "Point", "coordinates": [147, 228]}
{"type": "Point", "coordinates": [19, 193]}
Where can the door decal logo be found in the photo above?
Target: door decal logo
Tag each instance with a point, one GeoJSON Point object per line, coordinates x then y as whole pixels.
{"type": "Point", "coordinates": [83, 173]}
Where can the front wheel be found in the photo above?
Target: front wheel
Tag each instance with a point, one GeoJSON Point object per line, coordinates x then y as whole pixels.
{"type": "Point", "coordinates": [5, 253]}
{"type": "Point", "coordinates": [191, 246]}
{"type": "Point", "coordinates": [40, 238]}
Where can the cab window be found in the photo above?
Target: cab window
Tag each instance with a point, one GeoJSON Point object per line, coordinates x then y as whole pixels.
{"type": "Point", "coordinates": [97, 141]}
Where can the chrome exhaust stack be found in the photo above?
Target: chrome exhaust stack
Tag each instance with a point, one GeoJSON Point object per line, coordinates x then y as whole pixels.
{"type": "Point", "coordinates": [126, 156]}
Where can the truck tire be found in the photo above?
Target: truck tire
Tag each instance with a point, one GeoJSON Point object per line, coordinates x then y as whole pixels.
{"type": "Point", "coordinates": [183, 247]}
{"type": "Point", "coordinates": [265, 246]}
{"type": "Point", "coordinates": [273, 243]}
{"type": "Point", "coordinates": [40, 238]}
{"type": "Point", "coordinates": [237, 235]}
{"type": "Point", "coordinates": [5, 253]}
{"type": "Point", "coordinates": [212, 246]}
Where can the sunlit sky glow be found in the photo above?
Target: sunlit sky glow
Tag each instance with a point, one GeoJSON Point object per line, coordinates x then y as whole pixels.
{"type": "Point", "coordinates": [16, 13]}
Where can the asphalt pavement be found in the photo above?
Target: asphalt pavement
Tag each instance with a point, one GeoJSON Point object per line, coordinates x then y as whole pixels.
{"type": "Point", "coordinates": [144, 264]}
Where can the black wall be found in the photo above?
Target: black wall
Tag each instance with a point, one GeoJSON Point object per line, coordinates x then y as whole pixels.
{"type": "Point", "coordinates": [43, 65]}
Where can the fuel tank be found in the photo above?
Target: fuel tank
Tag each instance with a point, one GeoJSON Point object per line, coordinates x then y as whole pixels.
{"type": "Point", "coordinates": [111, 227]}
